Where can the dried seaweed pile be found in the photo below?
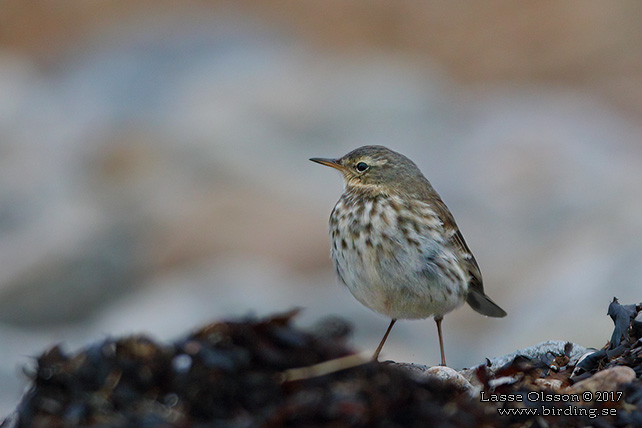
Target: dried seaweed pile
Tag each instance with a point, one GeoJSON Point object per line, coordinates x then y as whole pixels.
{"type": "Point", "coordinates": [244, 374]}
{"type": "Point", "coordinates": [230, 374]}
{"type": "Point", "coordinates": [600, 388]}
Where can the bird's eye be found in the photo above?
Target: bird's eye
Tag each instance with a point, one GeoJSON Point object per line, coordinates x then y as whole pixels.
{"type": "Point", "coordinates": [362, 166]}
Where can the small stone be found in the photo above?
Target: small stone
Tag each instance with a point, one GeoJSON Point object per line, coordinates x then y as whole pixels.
{"type": "Point", "coordinates": [440, 373]}
{"type": "Point", "coordinates": [605, 380]}
{"type": "Point", "coordinates": [451, 376]}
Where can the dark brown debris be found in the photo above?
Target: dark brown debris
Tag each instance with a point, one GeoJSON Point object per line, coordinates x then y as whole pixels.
{"type": "Point", "coordinates": [239, 374]}
{"type": "Point", "coordinates": [622, 316]}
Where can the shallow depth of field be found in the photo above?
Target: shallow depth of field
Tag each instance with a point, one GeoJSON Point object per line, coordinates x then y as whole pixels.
{"type": "Point", "coordinates": [154, 169]}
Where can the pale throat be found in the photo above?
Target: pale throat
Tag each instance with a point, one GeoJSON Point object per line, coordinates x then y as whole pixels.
{"type": "Point", "coordinates": [354, 186]}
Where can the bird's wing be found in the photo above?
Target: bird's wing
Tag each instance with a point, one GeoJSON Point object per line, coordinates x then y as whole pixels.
{"type": "Point", "coordinates": [476, 298]}
{"type": "Point", "coordinates": [456, 240]}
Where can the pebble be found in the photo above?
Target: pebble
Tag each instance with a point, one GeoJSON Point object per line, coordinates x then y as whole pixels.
{"type": "Point", "coordinates": [441, 373]}
{"type": "Point", "coordinates": [606, 380]}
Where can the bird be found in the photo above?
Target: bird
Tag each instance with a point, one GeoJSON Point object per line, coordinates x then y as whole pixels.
{"type": "Point", "coordinates": [395, 244]}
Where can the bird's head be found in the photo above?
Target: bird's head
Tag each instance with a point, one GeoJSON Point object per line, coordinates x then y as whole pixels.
{"type": "Point", "coordinates": [377, 170]}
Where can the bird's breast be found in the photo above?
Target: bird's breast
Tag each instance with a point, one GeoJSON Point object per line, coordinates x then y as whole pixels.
{"type": "Point", "coordinates": [391, 256]}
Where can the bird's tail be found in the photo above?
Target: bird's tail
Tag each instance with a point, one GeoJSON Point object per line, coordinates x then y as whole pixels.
{"type": "Point", "coordinates": [482, 304]}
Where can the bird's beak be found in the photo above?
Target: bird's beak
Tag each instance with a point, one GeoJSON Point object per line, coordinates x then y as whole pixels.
{"type": "Point", "coordinates": [332, 163]}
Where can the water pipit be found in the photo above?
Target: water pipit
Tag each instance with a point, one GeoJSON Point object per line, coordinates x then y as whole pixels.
{"type": "Point", "coordinates": [395, 244]}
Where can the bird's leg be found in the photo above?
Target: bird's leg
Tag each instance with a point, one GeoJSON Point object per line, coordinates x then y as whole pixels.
{"type": "Point", "coordinates": [385, 336]}
{"type": "Point", "coordinates": [441, 340]}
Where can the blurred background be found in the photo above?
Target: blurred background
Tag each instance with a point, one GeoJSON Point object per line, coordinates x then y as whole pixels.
{"type": "Point", "coordinates": [154, 171]}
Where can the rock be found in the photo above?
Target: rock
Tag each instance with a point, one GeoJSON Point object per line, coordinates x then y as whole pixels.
{"type": "Point", "coordinates": [450, 376]}
{"type": "Point", "coordinates": [541, 351]}
{"type": "Point", "coordinates": [443, 374]}
{"type": "Point", "coordinates": [610, 379]}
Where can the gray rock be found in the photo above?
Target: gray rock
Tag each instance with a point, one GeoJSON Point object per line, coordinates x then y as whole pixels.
{"type": "Point", "coordinates": [440, 373]}
{"type": "Point", "coordinates": [536, 351]}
